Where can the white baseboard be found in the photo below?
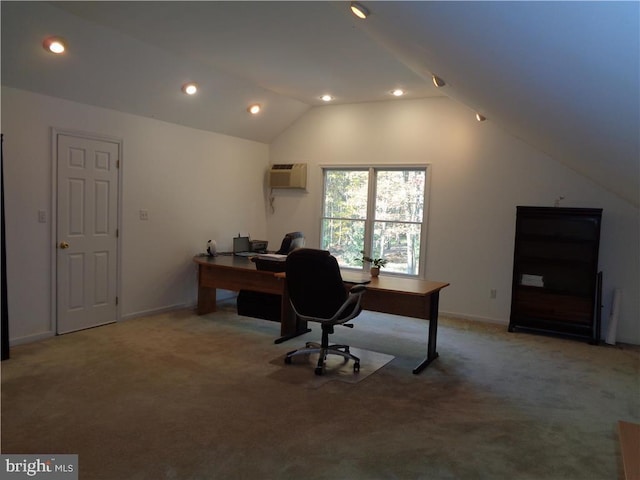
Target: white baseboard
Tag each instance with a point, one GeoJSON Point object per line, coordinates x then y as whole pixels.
{"type": "Point", "coordinates": [129, 316]}
{"type": "Point", "coordinates": [153, 311]}
{"type": "Point", "coordinates": [31, 338]}
{"type": "Point", "coordinates": [224, 295]}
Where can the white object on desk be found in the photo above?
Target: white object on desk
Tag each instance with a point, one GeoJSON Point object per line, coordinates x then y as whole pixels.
{"type": "Point", "coordinates": [212, 248]}
{"type": "Point", "coordinates": [272, 256]}
{"type": "Point", "coordinates": [532, 280]}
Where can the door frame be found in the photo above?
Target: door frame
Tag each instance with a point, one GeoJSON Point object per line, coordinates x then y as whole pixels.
{"type": "Point", "coordinates": [53, 322]}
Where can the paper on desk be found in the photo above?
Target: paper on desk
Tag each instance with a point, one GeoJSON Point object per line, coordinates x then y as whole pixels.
{"type": "Point", "coordinates": [273, 256]}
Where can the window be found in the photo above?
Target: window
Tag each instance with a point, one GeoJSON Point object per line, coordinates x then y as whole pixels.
{"type": "Point", "coordinates": [378, 210]}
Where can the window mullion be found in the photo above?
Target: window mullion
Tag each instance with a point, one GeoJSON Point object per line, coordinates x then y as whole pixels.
{"type": "Point", "coordinates": [371, 213]}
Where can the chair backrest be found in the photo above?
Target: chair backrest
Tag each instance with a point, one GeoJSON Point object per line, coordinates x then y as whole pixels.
{"type": "Point", "coordinates": [314, 283]}
{"type": "Point", "coordinates": [290, 242]}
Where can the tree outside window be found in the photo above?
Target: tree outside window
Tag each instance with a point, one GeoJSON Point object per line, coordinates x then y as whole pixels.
{"type": "Point", "coordinates": [378, 210]}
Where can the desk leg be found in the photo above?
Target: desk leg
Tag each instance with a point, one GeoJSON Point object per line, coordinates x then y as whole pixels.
{"type": "Point", "coordinates": [432, 354]}
{"type": "Point", "coordinates": [206, 300]}
{"type": "Point", "coordinates": [290, 325]}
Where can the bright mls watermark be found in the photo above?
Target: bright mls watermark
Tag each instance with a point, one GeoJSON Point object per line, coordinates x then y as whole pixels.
{"type": "Point", "coordinates": [46, 467]}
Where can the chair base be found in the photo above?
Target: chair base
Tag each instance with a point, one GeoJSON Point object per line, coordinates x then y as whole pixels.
{"type": "Point", "coordinates": [323, 351]}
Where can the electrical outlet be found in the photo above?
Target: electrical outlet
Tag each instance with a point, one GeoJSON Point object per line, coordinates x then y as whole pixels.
{"type": "Point", "coordinates": [144, 215]}
{"type": "Point", "coordinates": [493, 293]}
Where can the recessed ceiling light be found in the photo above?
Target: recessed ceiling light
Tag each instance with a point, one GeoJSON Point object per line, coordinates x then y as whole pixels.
{"type": "Point", "coordinates": [254, 109]}
{"type": "Point", "coordinates": [437, 81]}
{"type": "Point", "coordinates": [359, 10]}
{"type": "Point", "coordinates": [190, 88]}
{"type": "Point", "coordinates": [326, 98]}
{"type": "Point", "coordinates": [54, 44]}
{"type": "Point", "coordinates": [480, 118]}
{"type": "Point", "coordinates": [398, 92]}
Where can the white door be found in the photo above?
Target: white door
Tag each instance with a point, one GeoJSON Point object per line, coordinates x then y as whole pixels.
{"type": "Point", "coordinates": [87, 222]}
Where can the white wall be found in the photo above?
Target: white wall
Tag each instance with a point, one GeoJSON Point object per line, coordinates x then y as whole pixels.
{"type": "Point", "coordinates": [479, 175]}
{"type": "Point", "coordinates": [199, 185]}
{"type": "Point", "coordinates": [196, 186]}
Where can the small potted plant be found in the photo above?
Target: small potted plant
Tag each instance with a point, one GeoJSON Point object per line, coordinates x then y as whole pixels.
{"type": "Point", "coordinates": [376, 264]}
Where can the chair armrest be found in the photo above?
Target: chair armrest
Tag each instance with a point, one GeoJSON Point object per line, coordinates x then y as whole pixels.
{"type": "Point", "coordinates": [352, 302]}
{"type": "Point", "coordinates": [355, 296]}
{"type": "Point", "coordinates": [358, 288]}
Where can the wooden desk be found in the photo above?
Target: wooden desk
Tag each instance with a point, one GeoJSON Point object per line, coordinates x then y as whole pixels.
{"type": "Point", "coordinates": [408, 297]}
{"type": "Point", "coordinates": [229, 272]}
{"type": "Point", "coordinates": [396, 295]}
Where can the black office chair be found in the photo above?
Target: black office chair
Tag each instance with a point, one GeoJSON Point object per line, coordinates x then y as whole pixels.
{"type": "Point", "coordinates": [290, 242]}
{"type": "Point", "coordinates": [318, 294]}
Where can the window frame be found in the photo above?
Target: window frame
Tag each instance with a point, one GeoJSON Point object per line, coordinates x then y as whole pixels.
{"type": "Point", "coordinates": [370, 220]}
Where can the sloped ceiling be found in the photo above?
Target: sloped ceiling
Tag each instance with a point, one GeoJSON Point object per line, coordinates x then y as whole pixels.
{"type": "Point", "coordinates": [562, 76]}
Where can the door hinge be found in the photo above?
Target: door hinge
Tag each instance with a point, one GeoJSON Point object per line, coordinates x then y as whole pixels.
{"type": "Point", "coordinates": [117, 163]}
{"type": "Point", "coordinates": [117, 300]}
{"type": "Point", "coordinates": [117, 232]}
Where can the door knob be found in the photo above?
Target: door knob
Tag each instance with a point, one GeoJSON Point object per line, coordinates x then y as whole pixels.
{"type": "Point", "coordinates": [64, 245]}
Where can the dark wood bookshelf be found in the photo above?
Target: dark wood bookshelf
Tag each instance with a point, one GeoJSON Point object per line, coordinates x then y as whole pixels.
{"type": "Point", "coordinates": [556, 285]}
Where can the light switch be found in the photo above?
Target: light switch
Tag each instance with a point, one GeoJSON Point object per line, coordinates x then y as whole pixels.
{"type": "Point", "coordinates": [42, 216]}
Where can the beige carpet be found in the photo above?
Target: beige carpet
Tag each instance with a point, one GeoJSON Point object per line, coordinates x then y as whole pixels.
{"type": "Point", "coordinates": [182, 397]}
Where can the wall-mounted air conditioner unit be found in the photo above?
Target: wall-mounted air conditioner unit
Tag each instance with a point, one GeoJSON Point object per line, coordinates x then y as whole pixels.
{"type": "Point", "coordinates": [291, 175]}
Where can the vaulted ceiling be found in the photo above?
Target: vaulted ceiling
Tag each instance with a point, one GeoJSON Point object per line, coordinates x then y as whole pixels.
{"type": "Point", "coordinates": [562, 76]}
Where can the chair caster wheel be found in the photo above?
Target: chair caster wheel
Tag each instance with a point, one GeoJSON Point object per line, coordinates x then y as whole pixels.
{"type": "Point", "coordinates": [287, 360]}
{"type": "Point", "coordinates": [319, 370]}
{"type": "Point", "coordinates": [356, 367]}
